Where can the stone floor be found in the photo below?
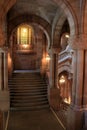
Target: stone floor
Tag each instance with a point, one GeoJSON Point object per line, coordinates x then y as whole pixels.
{"type": "Point", "coordinates": [33, 120]}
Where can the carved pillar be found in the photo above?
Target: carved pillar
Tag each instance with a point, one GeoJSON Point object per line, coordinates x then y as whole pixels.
{"type": "Point", "coordinates": [0, 71]}
{"type": "Point", "coordinates": [74, 60]}
{"type": "Point", "coordinates": [4, 93]}
{"type": "Point", "coordinates": [56, 70]}
{"type": "Point", "coordinates": [54, 67]}
{"type": "Point", "coordinates": [85, 92]}
{"type": "Point", "coordinates": [85, 82]}
{"type": "Point", "coordinates": [53, 81]}
{"type": "Point", "coordinates": [70, 87]}
{"type": "Point", "coordinates": [78, 65]}
{"type": "Point", "coordinates": [79, 78]}
{"type": "Point", "coordinates": [51, 78]}
{"type": "Point", "coordinates": [75, 112]}
{"type": "Point", "coordinates": [6, 70]}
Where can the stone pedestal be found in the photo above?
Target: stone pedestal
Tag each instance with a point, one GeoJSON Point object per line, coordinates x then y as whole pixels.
{"type": "Point", "coordinates": [85, 120]}
{"type": "Point", "coordinates": [55, 98]}
{"type": "Point", "coordinates": [74, 119]}
{"type": "Point", "coordinates": [1, 120]}
{"type": "Point", "coordinates": [4, 100]}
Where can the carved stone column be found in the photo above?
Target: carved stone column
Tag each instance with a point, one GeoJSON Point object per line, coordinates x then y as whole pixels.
{"type": "Point", "coordinates": [85, 91]}
{"type": "Point", "coordinates": [4, 93]}
{"type": "Point", "coordinates": [85, 82]}
{"type": "Point", "coordinates": [54, 67]}
{"type": "Point", "coordinates": [51, 69]}
{"type": "Point", "coordinates": [79, 78]}
{"type": "Point", "coordinates": [53, 81]}
{"type": "Point", "coordinates": [1, 71]}
{"type": "Point", "coordinates": [5, 70]}
{"type": "Point", "coordinates": [75, 112]}
{"type": "Point", "coordinates": [74, 59]}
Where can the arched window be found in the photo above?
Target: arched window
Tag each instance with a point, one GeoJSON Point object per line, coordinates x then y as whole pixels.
{"type": "Point", "coordinates": [24, 34]}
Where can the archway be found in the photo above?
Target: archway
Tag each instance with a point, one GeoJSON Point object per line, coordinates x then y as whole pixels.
{"type": "Point", "coordinates": [29, 56]}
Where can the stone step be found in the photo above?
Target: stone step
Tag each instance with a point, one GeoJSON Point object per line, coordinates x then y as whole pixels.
{"type": "Point", "coordinates": [28, 100]}
{"type": "Point", "coordinates": [27, 83]}
{"type": "Point", "coordinates": [30, 108]}
{"type": "Point", "coordinates": [34, 88]}
{"type": "Point", "coordinates": [25, 78]}
{"type": "Point", "coordinates": [28, 96]}
{"type": "Point", "coordinates": [27, 103]}
{"type": "Point", "coordinates": [27, 92]}
{"type": "Point", "coordinates": [27, 88]}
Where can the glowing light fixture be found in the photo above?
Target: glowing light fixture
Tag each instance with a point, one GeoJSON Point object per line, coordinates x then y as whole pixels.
{"type": "Point", "coordinates": [67, 35]}
{"type": "Point", "coordinates": [47, 57]}
{"type": "Point", "coordinates": [62, 79]}
{"type": "Point", "coordinates": [25, 46]}
{"type": "Point", "coordinates": [67, 100]}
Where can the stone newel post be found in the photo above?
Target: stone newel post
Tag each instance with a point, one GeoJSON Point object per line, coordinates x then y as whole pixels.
{"type": "Point", "coordinates": [53, 80]}
{"type": "Point", "coordinates": [76, 111]}
{"type": "Point", "coordinates": [4, 92]}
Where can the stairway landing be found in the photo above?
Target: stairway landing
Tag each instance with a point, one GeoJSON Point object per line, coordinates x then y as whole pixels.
{"type": "Point", "coordinates": [33, 120]}
{"type": "Point", "coordinates": [28, 91]}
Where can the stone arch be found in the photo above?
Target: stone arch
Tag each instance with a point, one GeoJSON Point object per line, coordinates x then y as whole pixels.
{"type": "Point", "coordinates": [26, 18]}
{"type": "Point", "coordinates": [57, 30]}
{"type": "Point", "coordinates": [2, 38]}
{"type": "Point", "coordinates": [64, 68]}
{"type": "Point", "coordinates": [84, 14]}
{"type": "Point", "coordinates": [64, 83]}
{"type": "Point", "coordinates": [68, 14]}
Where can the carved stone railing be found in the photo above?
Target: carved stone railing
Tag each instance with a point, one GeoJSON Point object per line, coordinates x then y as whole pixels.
{"type": "Point", "coordinates": [65, 55]}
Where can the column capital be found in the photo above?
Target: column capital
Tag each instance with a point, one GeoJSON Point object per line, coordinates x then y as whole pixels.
{"type": "Point", "coordinates": [78, 41]}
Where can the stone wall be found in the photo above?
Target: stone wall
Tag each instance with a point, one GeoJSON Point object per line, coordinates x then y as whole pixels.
{"type": "Point", "coordinates": [1, 120]}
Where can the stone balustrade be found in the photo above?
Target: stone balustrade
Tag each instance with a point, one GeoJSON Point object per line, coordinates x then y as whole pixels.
{"type": "Point", "coordinates": [64, 55]}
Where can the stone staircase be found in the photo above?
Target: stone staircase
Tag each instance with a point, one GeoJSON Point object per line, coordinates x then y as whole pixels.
{"type": "Point", "coordinates": [28, 91]}
{"type": "Point", "coordinates": [62, 113]}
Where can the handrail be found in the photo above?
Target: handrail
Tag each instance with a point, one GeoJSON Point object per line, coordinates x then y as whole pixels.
{"type": "Point", "coordinates": [64, 55]}
{"type": "Point", "coordinates": [6, 126]}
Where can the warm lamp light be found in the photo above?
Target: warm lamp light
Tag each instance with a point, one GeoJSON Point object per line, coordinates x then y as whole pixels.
{"type": "Point", "coordinates": [25, 46]}
{"type": "Point", "coordinates": [47, 58]}
{"type": "Point", "coordinates": [9, 61]}
{"type": "Point", "coordinates": [67, 100]}
{"type": "Point", "coordinates": [62, 79]}
{"type": "Point", "coordinates": [67, 35]}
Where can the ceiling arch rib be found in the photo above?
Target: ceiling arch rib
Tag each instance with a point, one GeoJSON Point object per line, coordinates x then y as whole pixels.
{"type": "Point", "coordinates": [44, 9]}
{"type": "Point", "coordinates": [30, 19]}
{"type": "Point", "coordinates": [66, 12]}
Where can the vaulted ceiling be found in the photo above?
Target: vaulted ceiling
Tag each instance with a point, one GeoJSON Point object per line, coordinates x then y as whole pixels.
{"type": "Point", "coordinates": [44, 8]}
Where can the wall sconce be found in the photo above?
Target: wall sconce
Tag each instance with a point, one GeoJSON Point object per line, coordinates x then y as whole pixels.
{"type": "Point", "coordinates": [47, 58]}
{"type": "Point", "coordinates": [62, 79]}
{"type": "Point", "coordinates": [25, 46]}
{"type": "Point", "coordinates": [47, 61]}
{"type": "Point", "coordinates": [67, 35]}
{"type": "Point", "coordinates": [67, 100]}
